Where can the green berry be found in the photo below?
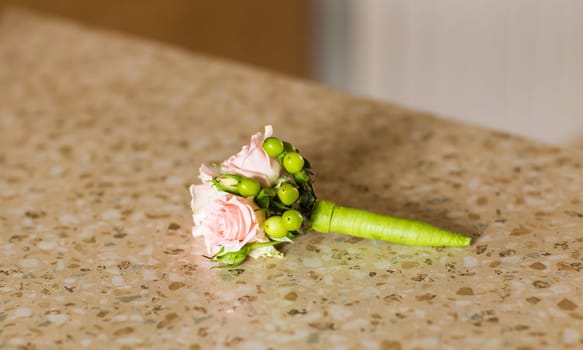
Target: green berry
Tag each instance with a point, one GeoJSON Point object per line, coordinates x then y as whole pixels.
{"type": "Point", "coordinates": [274, 227]}
{"type": "Point", "coordinates": [273, 146]}
{"type": "Point", "coordinates": [288, 194]}
{"type": "Point", "coordinates": [292, 219]}
{"type": "Point", "coordinates": [293, 162]}
{"type": "Point", "coordinates": [248, 187]}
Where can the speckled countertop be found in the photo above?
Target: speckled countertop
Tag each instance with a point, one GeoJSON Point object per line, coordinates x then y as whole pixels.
{"type": "Point", "coordinates": [101, 134]}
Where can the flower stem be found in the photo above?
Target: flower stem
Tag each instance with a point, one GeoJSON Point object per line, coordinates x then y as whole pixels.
{"type": "Point", "coordinates": [328, 217]}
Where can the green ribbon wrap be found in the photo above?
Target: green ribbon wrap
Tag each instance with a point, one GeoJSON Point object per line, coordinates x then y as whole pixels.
{"type": "Point", "coordinates": [328, 217]}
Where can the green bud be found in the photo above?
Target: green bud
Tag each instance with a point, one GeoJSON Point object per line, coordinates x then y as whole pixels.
{"type": "Point", "coordinates": [227, 183]}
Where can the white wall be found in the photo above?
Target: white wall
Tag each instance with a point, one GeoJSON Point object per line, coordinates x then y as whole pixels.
{"type": "Point", "coordinates": [515, 65]}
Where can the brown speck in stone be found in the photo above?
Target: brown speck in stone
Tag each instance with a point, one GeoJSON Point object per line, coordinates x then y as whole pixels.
{"type": "Point", "coordinates": [202, 332]}
{"type": "Point", "coordinates": [390, 345]}
{"type": "Point", "coordinates": [123, 331]}
{"type": "Point", "coordinates": [409, 264]}
{"type": "Point", "coordinates": [123, 265]}
{"type": "Point", "coordinates": [538, 266]}
{"type": "Point", "coordinates": [169, 318]}
{"type": "Point", "coordinates": [372, 274]}
{"type": "Point", "coordinates": [420, 277]}
{"type": "Point", "coordinates": [292, 296]}
{"type": "Point", "coordinates": [16, 238]}
{"type": "Point", "coordinates": [322, 325]}
{"type": "Point", "coordinates": [175, 251]}
{"type": "Point", "coordinates": [482, 201]}
{"type": "Point", "coordinates": [507, 252]}
{"type": "Point", "coordinates": [194, 347]}
{"type": "Point", "coordinates": [188, 268]}
{"type": "Point", "coordinates": [29, 346]}
{"type": "Point", "coordinates": [233, 341]}
{"type": "Point", "coordinates": [565, 266]}
{"type": "Point", "coordinates": [69, 289]}
{"type": "Point", "coordinates": [541, 284]}
{"type": "Point", "coordinates": [236, 272]}
{"type": "Point", "coordinates": [173, 226]}
{"type": "Point", "coordinates": [465, 291]}
{"type": "Point", "coordinates": [481, 248]}
{"type": "Point", "coordinates": [566, 304]}
{"type": "Point", "coordinates": [34, 214]}
{"type": "Point", "coordinates": [246, 299]}
{"type": "Point", "coordinates": [13, 180]}
{"type": "Point", "coordinates": [128, 298]}
{"type": "Point", "coordinates": [519, 231]}
{"type": "Point", "coordinates": [294, 312]}
{"type": "Point", "coordinates": [473, 216]}
{"type": "Point", "coordinates": [200, 309]}
{"type": "Point", "coordinates": [450, 267]}
{"type": "Point", "coordinates": [425, 297]}
{"type": "Point", "coordinates": [176, 285]}
{"type": "Point", "coordinates": [400, 315]}
{"type": "Point", "coordinates": [313, 275]}
{"type": "Point", "coordinates": [392, 297]}
{"type": "Point", "coordinates": [353, 240]}
{"type": "Point", "coordinates": [102, 313]}
{"type": "Point", "coordinates": [563, 245]}
{"type": "Point", "coordinates": [66, 150]}
{"type": "Point", "coordinates": [466, 272]}
{"type": "Point", "coordinates": [519, 201]}
{"type": "Point", "coordinates": [312, 248]}
{"type": "Point", "coordinates": [524, 347]}
{"type": "Point", "coordinates": [317, 239]}
{"type": "Point", "coordinates": [574, 213]}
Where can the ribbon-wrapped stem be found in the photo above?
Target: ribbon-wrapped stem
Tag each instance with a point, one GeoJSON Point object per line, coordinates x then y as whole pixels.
{"type": "Point", "coordinates": [328, 217]}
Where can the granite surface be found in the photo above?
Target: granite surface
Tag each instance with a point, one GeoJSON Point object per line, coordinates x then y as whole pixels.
{"type": "Point", "coordinates": [101, 134]}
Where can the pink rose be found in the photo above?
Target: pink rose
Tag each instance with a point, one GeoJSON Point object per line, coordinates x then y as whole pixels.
{"type": "Point", "coordinates": [225, 220]}
{"type": "Point", "coordinates": [252, 161]}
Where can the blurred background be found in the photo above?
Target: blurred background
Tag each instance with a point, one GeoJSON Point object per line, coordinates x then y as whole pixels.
{"type": "Point", "coordinates": [513, 65]}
